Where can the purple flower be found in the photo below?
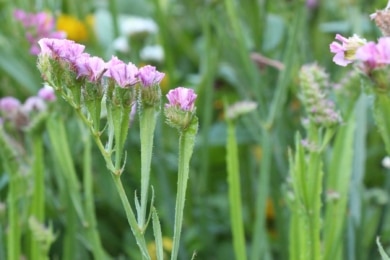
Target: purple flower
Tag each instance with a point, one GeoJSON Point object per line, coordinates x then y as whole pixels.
{"type": "Point", "coordinates": [184, 98]}
{"type": "Point", "coordinates": [311, 4]}
{"type": "Point", "coordinates": [9, 104]}
{"type": "Point", "coordinates": [375, 55]}
{"type": "Point", "coordinates": [123, 74]}
{"type": "Point", "coordinates": [91, 67]}
{"type": "Point", "coordinates": [345, 52]}
{"type": "Point", "coordinates": [34, 103]}
{"type": "Point", "coordinates": [149, 76]}
{"type": "Point", "coordinates": [37, 26]}
{"type": "Point", "coordinates": [61, 48]}
{"type": "Point", "coordinates": [47, 93]}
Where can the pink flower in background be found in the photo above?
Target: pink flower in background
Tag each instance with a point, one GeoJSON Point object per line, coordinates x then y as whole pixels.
{"type": "Point", "coordinates": [47, 93]}
{"type": "Point", "coordinates": [184, 98]}
{"type": "Point", "coordinates": [124, 74]}
{"type": "Point", "coordinates": [311, 4]}
{"type": "Point", "coordinates": [37, 25]}
{"type": "Point", "coordinates": [34, 103]}
{"type": "Point", "coordinates": [149, 76]}
{"type": "Point", "coordinates": [9, 104]}
{"type": "Point", "coordinates": [345, 52]}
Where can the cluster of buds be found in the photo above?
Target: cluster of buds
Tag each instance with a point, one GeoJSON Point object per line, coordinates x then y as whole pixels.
{"type": "Point", "coordinates": [37, 25]}
{"type": "Point", "coordinates": [313, 94]}
{"type": "Point", "coordinates": [21, 115]}
{"type": "Point", "coordinates": [84, 80]}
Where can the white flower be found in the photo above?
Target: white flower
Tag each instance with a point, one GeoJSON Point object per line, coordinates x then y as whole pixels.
{"type": "Point", "coordinates": [386, 162]}
{"type": "Point", "coordinates": [121, 44]}
{"type": "Point", "coordinates": [152, 53]}
{"type": "Point", "coordinates": [131, 25]}
{"type": "Point", "coordinates": [240, 108]}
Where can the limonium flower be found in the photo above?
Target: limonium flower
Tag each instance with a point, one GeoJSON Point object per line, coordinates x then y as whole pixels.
{"type": "Point", "coordinates": [47, 93]}
{"type": "Point", "coordinates": [61, 48]}
{"type": "Point", "coordinates": [375, 55]}
{"type": "Point", "coordinates": [91, 67]}
{"type": "Point", "coordinates": [34, 103]}
{"type": "Point", "coordinates": [9, 104]}
{"type": "Point", "coordinates": [180, 110]}
{"type": "Point", "coordinates": [183, 98]}
{"type": "Point", "coordinates": [125, 75]}
{"type": "Point", "coordinates": [149, 76]}
{"type": "Point", "coordinates": [38, 25]}
{"type": "Point", "coordinates": [345, 52]}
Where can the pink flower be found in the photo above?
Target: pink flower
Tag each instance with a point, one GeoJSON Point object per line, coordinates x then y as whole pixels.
{"type": "Point", "coordinates": [124, 74]}
{"type": "Point", "coordinates": [37, 25]}
{"type": "Point", "coordinates": [91, 67]}
{"type": "Point", "coordinates": [184, 98]}
{"type": "Point", "coordinates": [374, 55]}
{"type": "Point", "coordinates": [149, 76]}
{"type": "Point", "coordinates": [34, 103]}
{"type": "Point", "coordinates": [61, 48]}
{"type": "Point", "coordinates": [345, 52]}
{"type": "Point", "coordinates": [47, 93]}
{"type": "Point", "coordinates": [9, 104]}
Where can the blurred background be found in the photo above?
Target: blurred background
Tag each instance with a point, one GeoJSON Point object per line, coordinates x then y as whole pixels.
{"type": "Point", "coordinates": [227, 51]}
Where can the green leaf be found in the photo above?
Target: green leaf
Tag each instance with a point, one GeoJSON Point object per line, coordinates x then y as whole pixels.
{"type": "Point", "coordinates": [381, 250]}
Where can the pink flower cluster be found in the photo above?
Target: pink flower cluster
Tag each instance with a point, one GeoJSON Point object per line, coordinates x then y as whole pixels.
{"type": "Point", "coordinates": [372, 55]}
{"type": "Point", "coordinates": [37, 25]}
{"type": "Point", "coordinates": [183, 98]}
{"type": "Point", "coordinates": [11, 107]}
{"type": "Point", "coordinates": [94, 68]}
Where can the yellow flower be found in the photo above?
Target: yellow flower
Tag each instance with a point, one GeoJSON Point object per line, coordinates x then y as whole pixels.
{"type": "Point", "coordinates": [167, 245]}
{"type": "Point", "coordinates": [75, 29]}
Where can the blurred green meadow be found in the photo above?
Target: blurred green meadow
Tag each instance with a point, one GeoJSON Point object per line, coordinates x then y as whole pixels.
{"type": "Point", "coordinates": [227, 51]}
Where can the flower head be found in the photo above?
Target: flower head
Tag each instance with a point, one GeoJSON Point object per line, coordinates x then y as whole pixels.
{"type": "Point", "coordinates": [180, 111]}
{"type": "Point", "coordinates": [149, 76]}
{"type": "Point", "coordinates": [37, 25]}
{"type": "Point", "coordinates": [75, 29]}
{"type": "Point", "coordinates": [34, 103]}
{"type": "Point", "coordinates": [240, 108]}
{"type": "Point", "coordinates": [61, 48]}
{"type": "Point", "coordinates": [183, 98]}
{"type": "Point", "coordinates": [124, 74]}
{"type": "Point", "coordinates": [313, 94]}
{"type": "Point", "coordinates": [47, 93]}
{"type": "Point", "coordinates": [374, 55]}
{"type": "Point", "coordinates": [152, 53]}
{"type": "Point", "coordinates": [9, 104]}
{"type": "Point", "coordinates": [345, 52]}
{"type": "Point", "coordinates": [133, 25]}
{"type": "Point", "coordinates": [91, 67]}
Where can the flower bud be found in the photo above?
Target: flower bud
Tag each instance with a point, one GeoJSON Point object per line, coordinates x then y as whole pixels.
{"type": "Point", "coordinates": [180, 111]}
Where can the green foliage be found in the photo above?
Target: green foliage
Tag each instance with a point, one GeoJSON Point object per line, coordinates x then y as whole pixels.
{"type": "Point", "coordinates": [209, 46]}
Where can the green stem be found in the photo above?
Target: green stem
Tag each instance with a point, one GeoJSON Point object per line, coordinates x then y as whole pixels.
{"type": "Point", "coordinates": [233, 169]}
{"type": "Point", "coordinates": [148, 119]}
{"type": "Point", "coordinates": [131, 217]}
{"type": "Point", "coordinates": [186, 147]}
{"type": "Point", "coordinates": [8, 158]}
{"type": "Point", "coordinates": [93, 234]}
{"type": "Point", "coordinates": [38, 200]}
{"type": "Point", "coordinates": [260, 244]}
